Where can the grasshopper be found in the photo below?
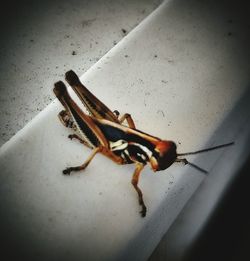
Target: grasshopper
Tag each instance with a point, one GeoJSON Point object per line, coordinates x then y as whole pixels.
{"type": "Point", "coordinates": [104, 132]}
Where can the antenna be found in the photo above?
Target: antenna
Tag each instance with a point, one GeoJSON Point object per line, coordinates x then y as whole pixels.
{"type": "Point", "coordinates": [185, 161]}
{"type": "Point", "coordinates": [205, 150]}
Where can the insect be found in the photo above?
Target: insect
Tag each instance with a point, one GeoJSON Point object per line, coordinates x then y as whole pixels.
{"type": "Point", "coordinates": [104, 132]}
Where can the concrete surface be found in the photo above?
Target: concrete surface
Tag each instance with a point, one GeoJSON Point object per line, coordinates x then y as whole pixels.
{"type": "Point", "coordinates": [40, 40]}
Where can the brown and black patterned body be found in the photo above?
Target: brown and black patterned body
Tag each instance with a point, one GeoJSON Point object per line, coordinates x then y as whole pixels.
{"type": "Point", "coordinates": [104, 132]}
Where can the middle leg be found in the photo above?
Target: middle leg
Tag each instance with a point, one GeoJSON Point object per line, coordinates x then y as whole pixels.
{"type": "Point", "coordinates": [126, 117]}
{"type": "Point", "coordinates": [84, 165]}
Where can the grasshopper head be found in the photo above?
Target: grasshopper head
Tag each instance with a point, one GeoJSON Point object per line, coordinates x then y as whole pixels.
{"type": "Point", "coordinates": [166, 155]}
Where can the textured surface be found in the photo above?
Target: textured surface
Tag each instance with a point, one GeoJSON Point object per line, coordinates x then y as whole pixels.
{"type": "Point", "coordinates": [40, 40]}
{"type": "Point", "coordinates": [179, 74]}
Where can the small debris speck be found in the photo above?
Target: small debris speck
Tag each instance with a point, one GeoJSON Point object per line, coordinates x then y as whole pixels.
{"type": "Point", "coordinates": [126, 56]}
{"type": "Point", "coordinates": [124, 30]}
{"type": "Point", "coordinates": [156, 56]}
{"type": "Point", "coordinates": [161, 112]}
{"type": "Point", "coordinates": [73, 53]}
{"type": "Point", "coordinates": [87, 22]}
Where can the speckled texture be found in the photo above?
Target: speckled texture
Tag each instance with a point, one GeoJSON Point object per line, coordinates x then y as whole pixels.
{"type": "Point", "coordinates": [40, 40]}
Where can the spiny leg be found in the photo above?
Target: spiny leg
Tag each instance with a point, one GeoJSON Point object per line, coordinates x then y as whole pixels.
{"type": "Point", "coordinates": [74, 136]}
{"type": "Point", "coordinates": [84, 165]}
{"type": "Point", "coordinates": [134, 181]}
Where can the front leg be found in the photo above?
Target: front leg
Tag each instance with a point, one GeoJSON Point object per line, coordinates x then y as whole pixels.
{"type": "Point", "coordinates": [185, 161]}
{"type": "Point", "coordinates": [134, 181]}
{"type": "Point", "coordinates": [84, 165]}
